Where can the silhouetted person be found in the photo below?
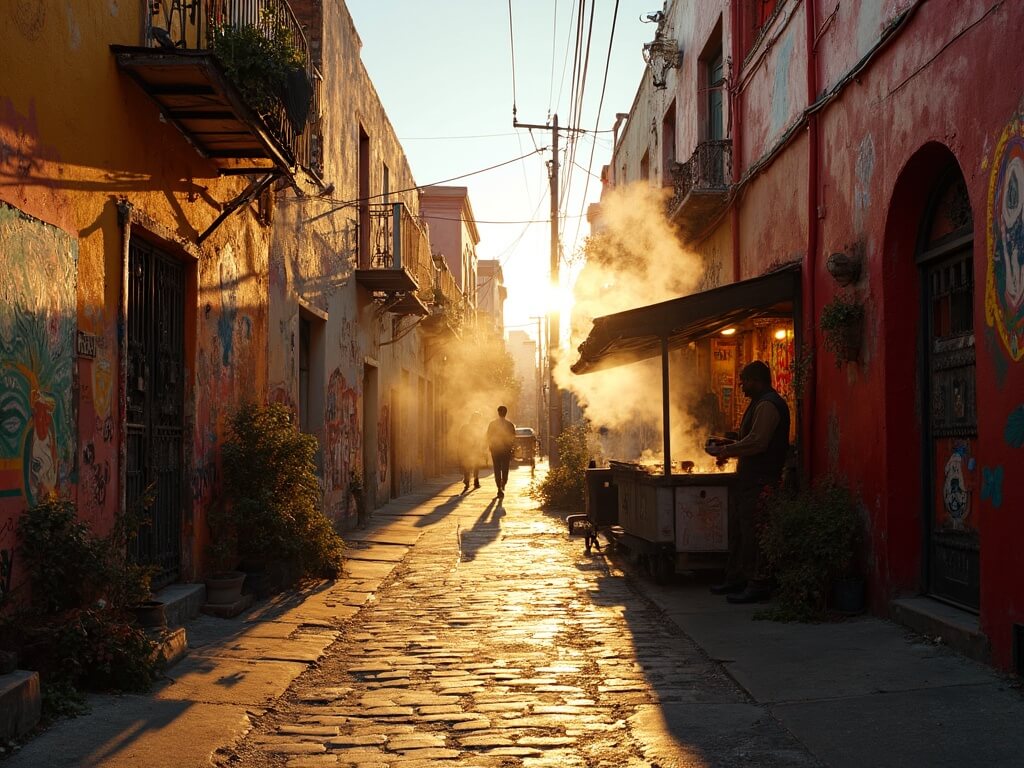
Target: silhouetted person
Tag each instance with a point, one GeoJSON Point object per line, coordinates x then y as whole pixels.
{"type": "Point", "coordinates": [501, 437]}
{"type": "Point", "coordinates": [762, 449]}
{"type": "Point", "coordinates": [471, 449]}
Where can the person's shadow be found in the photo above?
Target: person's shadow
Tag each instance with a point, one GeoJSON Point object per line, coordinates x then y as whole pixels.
{"type": "Point", "coordinates": [485, 530]}
{"type": "Point", "coordinates": [440, 511]}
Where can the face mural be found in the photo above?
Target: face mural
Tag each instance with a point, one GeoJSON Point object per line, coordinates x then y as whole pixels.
{"type": "Point", "coordinates": [1004, 290]}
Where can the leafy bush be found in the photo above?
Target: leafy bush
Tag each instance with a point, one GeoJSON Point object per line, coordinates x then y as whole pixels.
{"type": "Point", "coordinates": [809, 539]}
{"type": "Point", "coordinates": [841, 322]}
{"type": "Point", "coordinates": [257, 58]}
{"type": "Point", "coordinates": [74, 626]}
{"type": "Point", "coordinates": [273, 505]}
{"type": "Point", "coordinates": [564, 485]}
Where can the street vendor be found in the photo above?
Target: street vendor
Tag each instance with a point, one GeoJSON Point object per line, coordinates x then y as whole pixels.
{"type": "Point", "coordinates": [762, 448]}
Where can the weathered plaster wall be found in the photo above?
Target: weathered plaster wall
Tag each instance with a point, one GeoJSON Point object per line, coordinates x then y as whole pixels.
{"type": "Point", "coordinates": [76, 137]}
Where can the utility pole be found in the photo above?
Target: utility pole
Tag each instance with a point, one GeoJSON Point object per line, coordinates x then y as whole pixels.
{"type": "Point", "coordinates": [541, 433]}
{"type": "Point", "coordinates": [554, 321]}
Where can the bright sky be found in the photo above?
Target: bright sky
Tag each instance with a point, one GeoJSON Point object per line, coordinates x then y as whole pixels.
{"type": "Point", "coordinates": [443, 70]}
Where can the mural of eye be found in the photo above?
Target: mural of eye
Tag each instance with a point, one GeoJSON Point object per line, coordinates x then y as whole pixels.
{"type": "Point", "coordinates": [1004, 283]}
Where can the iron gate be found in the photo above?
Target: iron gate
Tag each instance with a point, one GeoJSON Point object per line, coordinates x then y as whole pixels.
{"type": "Point", "coordinates": [155, 384]}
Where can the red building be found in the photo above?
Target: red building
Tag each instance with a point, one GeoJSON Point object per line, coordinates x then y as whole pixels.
{"type": "Point", "coordinates": [879, 146]}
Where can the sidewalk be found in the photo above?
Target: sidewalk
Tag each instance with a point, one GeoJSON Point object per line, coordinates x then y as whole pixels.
{"type": "Point", "coordinates": [862, 692]}
{"type": "Point", "coordinates": [234, 668]}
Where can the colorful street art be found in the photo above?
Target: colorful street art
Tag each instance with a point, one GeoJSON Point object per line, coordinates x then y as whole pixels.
{"type": "Point", "coordinates": [1013, 433]}
{"type": "Point", "coordinates": [992, 485]}
{"type": "Point", "coordinates": [37, 332]}
{"type": "Point", "coordinates": [958, 472]}
{"type": "Point", "coordinates": [383, 447]}
{"type": "Point", "coordinates": [341, 431]}
{"type": "Point", "coordinates": [1004, 283]}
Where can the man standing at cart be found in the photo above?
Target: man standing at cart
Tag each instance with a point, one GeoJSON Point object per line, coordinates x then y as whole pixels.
{"type": "Point", "coordinates": [501, 438]}
{"type": "Point", "coordinates": [762, 448]}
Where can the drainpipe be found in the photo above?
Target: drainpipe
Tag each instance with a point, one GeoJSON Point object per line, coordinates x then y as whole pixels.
{"type": "Point", "coordinates": [809, 272]}
{"type": "Point", "coordinates": [737, 136]}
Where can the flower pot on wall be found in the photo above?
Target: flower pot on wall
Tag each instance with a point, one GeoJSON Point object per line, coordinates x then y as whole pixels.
{"type": "Point", "coordinates": [224, 588]}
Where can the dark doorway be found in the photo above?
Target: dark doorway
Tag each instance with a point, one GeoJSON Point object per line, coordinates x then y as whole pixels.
{"type": "Point", "coordinates": [946, 264]}
{"type": "Point", "coordinates": [155, 387]}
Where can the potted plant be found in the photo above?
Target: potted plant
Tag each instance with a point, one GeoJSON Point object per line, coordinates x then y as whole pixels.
{"type": "Point", "coordinates": [259, 59]}
{"type": "Point", "coordinates": [842, 323]}
{"type": "Point", "coordinates": [809, 539]}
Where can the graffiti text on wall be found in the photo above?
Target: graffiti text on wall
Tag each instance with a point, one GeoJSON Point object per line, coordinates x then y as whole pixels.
{"type": "Point", "coordinates": [37, 333]}
{"type": "Point", "coordinates": [1004, 282]}
{"type": "Point", "coordinates": [341, 429]}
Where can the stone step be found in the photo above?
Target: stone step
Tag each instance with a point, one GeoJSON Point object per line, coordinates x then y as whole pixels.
{"type": "Point", "coordinates": [183, 602]}
{"type": "Point", "coordinates": [20, 703]}
{"type": "Point", "coordinates": [959, 629]}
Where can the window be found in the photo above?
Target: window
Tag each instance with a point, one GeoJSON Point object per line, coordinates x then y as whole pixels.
{"type": "Point", "coordinates": [645, 166]}
{"type": "Point", "coordinates": [668, 143]}
{"type": "Point", "coordinates": [385, 187]}
{"type": "Point", "coordinates": [310, 403]}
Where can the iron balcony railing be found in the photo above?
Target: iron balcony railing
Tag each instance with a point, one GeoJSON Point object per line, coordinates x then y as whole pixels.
{"type": "Point", "coordinates": [194, 24]}
{"type": "Point", "coordinates": [397, 241]}
{"type": "Point", "coordinates": [709, 169]}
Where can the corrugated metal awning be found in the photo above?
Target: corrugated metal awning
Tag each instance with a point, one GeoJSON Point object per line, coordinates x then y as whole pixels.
{"type": "Point", "coordinates": [637, 334]}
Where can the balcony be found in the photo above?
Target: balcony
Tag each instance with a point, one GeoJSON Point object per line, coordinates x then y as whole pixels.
{"type": "Point", "coordinates": [448, 311]}
{"type": "Point", "coordinates": [236, 78]}
{"type": "Point", "coordinates": [700, 187]}
{"type": "Point", "coordinates": [395, 263]}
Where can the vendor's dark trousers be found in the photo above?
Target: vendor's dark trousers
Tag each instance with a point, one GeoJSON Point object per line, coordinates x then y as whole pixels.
{"type": "Point", "coordinates": [745, 561]}
{"type": "Point", "coordinates": [501, 462]}
{"type": "Point", "coordinates": [467, 470]}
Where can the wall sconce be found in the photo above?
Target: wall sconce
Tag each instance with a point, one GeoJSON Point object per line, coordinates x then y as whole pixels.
{"type": "Point", "coordinates": [844, 267]}
{"type": "Point", "coordinates": [661, 55]}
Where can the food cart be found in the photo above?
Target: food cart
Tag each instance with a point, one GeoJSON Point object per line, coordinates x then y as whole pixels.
{"type": "Point", "coordinates": [675, 515]}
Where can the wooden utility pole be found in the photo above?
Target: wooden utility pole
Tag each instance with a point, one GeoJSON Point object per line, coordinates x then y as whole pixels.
{"type": "Point", "coordinates": [554, 321]}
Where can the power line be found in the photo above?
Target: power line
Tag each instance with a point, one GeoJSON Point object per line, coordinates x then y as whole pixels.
{"type": "Point", "coordinates": [512, 47]}
{"type": "Point", "coordinates": [447, 138]}
{"type": "Point", "coordinates": [356, 201]}
{"type": "Point", "coordinates": [600, 105]}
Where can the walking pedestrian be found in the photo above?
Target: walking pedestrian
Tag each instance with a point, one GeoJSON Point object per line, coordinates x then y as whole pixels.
{"type": "Point", "coordinates": [471, 448]}
{"type": "Point", "coordinates": [501, 437]}
{"type": "Point", "coordinates": [762, 449]}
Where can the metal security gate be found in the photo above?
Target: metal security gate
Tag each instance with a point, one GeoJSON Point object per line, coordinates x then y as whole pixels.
{"type": "Point", "coordinates": [155, 384]}
{"type": "Point", "coordinates": [947, 272]}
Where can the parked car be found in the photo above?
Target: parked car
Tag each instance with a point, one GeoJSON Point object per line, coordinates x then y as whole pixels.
{"type": "Point", "coordinates": [525, 449]}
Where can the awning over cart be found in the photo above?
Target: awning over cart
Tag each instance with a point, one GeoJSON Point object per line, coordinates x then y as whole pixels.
{"type": "Point", "coordinates": [641, 333]}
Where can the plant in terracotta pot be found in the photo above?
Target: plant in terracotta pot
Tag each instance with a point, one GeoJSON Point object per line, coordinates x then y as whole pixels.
{"type": "Point", "coordinates": [842, 323]}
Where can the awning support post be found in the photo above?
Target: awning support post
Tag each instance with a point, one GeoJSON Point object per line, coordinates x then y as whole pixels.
{"type": "Point", "coordinates": [667, 435]}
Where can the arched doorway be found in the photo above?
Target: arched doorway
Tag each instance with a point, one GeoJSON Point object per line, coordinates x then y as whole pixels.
{"type": "Point", "coordinates": [945, 260]}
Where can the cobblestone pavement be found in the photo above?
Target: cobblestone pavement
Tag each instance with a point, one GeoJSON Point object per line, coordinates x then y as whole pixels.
{"type": "Point", "coordinates": [498, 642]}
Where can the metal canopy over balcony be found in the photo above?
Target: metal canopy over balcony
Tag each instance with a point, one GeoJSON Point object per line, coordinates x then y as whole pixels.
{"type": "Point", "coordinates": [701, 187]}
{"type": "Point", "coordinates": [178, 66]}
{"type": "Point", "coordinates": [195, 94]}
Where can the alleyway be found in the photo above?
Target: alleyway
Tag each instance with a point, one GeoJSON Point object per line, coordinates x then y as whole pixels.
{"type": "Point", "coordinates": [497, 642]}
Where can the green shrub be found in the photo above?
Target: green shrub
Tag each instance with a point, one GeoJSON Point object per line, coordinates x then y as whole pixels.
{"type": "Point", "coordinates": [273, 504]}
{"type": "Point", "coordinates": [74, 626]}
{"type": "Point", "coordinates": [564, 485]}
{"type": "Point", "coordinates": [257, 58]}
{"type": "Point", "coordinates": [809, 539]}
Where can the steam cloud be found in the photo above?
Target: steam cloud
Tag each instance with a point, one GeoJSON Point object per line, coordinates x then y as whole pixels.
{"type": "Point", "coordinates": [634, 259]}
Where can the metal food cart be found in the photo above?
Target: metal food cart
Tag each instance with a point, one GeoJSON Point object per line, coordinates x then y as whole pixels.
{"type": "Point", "coordinates": [674, 516]}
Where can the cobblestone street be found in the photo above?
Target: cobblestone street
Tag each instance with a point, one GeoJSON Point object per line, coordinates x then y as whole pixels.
{"type": "Point", "coordinates": [498, 642]}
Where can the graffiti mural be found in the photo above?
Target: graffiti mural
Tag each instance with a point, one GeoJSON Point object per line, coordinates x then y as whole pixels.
{"type": "Point", "coordinates": [383, 446]}
{"type": "Point", "coordinates": [37, 332]}
{"type": "Point", "coordinates": [992, 485]}
{"type": "Point", "coordinates": [1004, 282]}
{"type": "Point", "coordinates": [343, 439]}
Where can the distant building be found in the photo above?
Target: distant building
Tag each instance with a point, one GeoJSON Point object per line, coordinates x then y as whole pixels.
{"type": "Point", "coordinates": [523, 349]}
{"type": "Point", "coordinates": [491, 295]}
{"type": "Point", "coordinates": [453, 233]}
